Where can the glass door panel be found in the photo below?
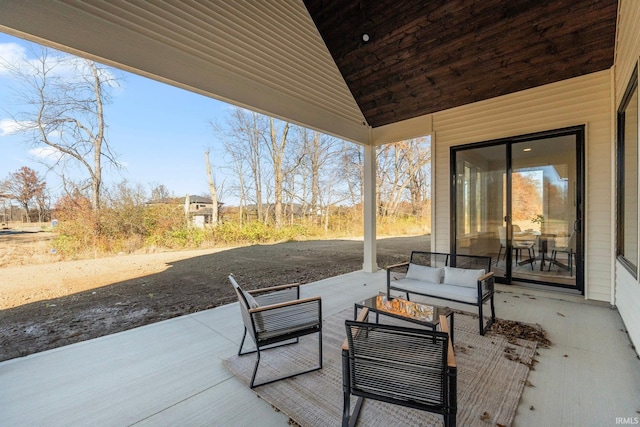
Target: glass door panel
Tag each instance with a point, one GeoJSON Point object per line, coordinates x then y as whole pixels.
{"type": "Point", "coordinates": [480, 179]}
{"type": "Point", "coordinates": [544, 210]}
{"type": "Point", "coordinates": [519, 201]}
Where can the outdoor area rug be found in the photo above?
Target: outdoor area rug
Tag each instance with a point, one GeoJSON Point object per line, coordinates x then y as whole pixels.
{"type": "Point", "coordinates": [491, 376]}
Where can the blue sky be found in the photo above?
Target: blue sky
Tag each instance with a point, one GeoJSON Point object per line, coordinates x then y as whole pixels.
{"type": "Point", "coordinates": [159, 132]}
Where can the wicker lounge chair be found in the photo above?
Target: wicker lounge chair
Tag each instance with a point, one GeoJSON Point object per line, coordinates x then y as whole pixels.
{"type": "Point", "coordinates": [276, 316]}
{"type": "Point", "coordinates": [405, 366]}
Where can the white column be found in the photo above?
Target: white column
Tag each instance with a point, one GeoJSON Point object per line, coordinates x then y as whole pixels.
{"type": "Point", "coordinates": [370, 263]}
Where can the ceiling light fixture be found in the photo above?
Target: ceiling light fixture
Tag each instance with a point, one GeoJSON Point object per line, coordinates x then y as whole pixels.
{"type": "Point", "coordinates": [365, 37]}
{"type": "Point", "coordinates": [527, 150]}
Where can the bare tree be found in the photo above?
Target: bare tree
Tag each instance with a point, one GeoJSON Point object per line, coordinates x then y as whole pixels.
{"type": "Point", "coordinates": [237, 166]}
{"type": "Point", "coordinates": [332, 193]}
{"type": "Point", "coordinates": [244, 143]}
{"type": "Point", "coordinates": [401, 174]}
{"type": "Point", "coordinates": [419, 159]}
{"type": "Point", "coordinates": [43, 204]}
{"type": "Point", "coordinates": [24, 186]}
{"type": "Point", "coordinates": [212, 191]}
{"type": "Point", "coordinates": [352, 166]}
{"type": "Point", "coordinates": [301, 166]}
{"type": "Point", "coordinates": [322, 167]}
{"type": "Point", "coordinates": [277, 148]}
{"type": "Point", "coordinates": [159, 192]}
{"type": "Point", "coordinates": [125, 194]}
{"type": "Point", "coordinates": [64, 98]}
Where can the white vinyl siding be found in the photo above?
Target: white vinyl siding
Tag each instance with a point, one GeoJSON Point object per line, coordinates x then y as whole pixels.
{"type": "Point", "coordinates": [627, 44]}
{"type": "Point", "coordinates": [584, 100]}
{"type": "Point", "coordinates": [627, 296]}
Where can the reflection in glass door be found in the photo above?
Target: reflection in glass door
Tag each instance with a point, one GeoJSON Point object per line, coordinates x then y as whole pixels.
{"type": "Point", "coordinates": [519, 201]}
{"type": "Point", "coordinates": [479, 199]}
{"type": "Point", "coordinates": [543, 209]}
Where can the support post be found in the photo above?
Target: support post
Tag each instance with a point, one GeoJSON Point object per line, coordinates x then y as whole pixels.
{"type": "Point", "coordinates": [369, 201]}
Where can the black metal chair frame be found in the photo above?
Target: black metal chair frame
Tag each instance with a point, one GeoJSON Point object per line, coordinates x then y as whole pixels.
{"type": "Point", "coordinates": [405, 366]}
{"type": "Point", "coordinates": [280, 318]}
{"type": "Point", "coordinates": [517, 248]}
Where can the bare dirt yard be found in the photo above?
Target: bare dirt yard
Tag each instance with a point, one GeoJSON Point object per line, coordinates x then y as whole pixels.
{"type": "Point", "coordinates": [46, 303]}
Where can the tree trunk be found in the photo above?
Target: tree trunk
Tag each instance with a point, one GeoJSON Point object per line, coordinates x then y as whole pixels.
{"type": "Point", "coordinates": [98, 139]}
{"type": "Point", "coordinates": [212, 191]}
{"type": "Point", "coordinates": [277, 156]}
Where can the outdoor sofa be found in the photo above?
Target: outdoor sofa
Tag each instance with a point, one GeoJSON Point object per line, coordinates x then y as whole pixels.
{"type": "Point", "coordinates": [466, 279]}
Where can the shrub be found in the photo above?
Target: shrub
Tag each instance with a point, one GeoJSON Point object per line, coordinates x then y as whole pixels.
{"type": "Point", "coordinates": [129, 227]}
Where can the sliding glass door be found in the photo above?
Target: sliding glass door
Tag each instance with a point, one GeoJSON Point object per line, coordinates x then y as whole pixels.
{"type": "Point", "coordinates": [479, 199]}
{"type": "Point", "coordinates": [519, 200]}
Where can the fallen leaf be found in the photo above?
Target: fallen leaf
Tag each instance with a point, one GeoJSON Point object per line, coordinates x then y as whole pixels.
{"type": "Point", "coordinates": [560, 314]}
{"type": "Point", "coordinates": [513, 331]}
{"type": "Point", "coordinates": [531, 408]}
{"type": "Point", "coordinates": [461, 349]}
{"type": "Point", "coordinates": [485, 416]}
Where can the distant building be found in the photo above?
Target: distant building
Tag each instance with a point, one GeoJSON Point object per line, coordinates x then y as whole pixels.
{"type": "Point", "coordinates": [199, 210]}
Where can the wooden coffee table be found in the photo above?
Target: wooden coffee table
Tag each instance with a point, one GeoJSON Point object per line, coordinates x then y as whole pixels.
{"type": "Point", "coordinates": [427, 315]}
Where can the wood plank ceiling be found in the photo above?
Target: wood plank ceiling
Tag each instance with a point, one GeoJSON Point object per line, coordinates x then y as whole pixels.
{"type": "Point", "coordinates": [427, 56]}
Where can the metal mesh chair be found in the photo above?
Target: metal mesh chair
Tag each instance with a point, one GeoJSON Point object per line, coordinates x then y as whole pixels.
{"type": "Point", "coordinates": [276, 316]}
{"type": "Point", "coordinates": [517, 245]}
{"type": "Point", "coordinates": [405, 366]}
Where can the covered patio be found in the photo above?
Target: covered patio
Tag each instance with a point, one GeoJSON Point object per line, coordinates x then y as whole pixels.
{"type": "Point", "coordinates": [461, 72]}
{"type": "Point", "coordinates": [171, 373]}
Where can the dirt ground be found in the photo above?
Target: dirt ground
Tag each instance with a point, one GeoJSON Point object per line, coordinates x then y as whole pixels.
{"type": "Point", "coordinates": [46, 303]}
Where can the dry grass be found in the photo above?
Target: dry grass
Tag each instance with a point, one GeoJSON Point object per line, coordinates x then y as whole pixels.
{"type": "Point", "coordinates": [27, 249]}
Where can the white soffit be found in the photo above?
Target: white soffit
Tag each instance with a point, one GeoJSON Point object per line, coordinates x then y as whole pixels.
{"type": "Point", "coordinates": [407, 129]}
{"type": "Point", "coordinates": [263, 55]}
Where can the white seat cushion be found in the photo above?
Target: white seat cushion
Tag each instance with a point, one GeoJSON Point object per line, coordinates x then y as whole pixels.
{"type": "Point", "coordinates": [453, 292]}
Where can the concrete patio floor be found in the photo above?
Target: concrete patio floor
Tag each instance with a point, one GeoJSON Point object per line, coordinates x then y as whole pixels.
{"type": "Point", "coordinates": [171, 373]}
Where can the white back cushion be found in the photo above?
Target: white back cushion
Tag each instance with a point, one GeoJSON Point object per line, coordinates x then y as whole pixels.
{"type": "Point", "coordinates": [250, 300]}
{"type": "Point", "coordinates": [462, 276]}
{"type": "Point", "coordinates": [424, 273]}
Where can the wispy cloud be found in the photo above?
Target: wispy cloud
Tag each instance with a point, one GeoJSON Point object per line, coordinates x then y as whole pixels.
{"type": "Point", "coordinates": [68, 67]}
{"type": "Point", "coordinates": [10, 127]}
{"type": "Point", "coordinates": [11, 53]}
{"type": "Point", "coordinates": [46, 153]}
